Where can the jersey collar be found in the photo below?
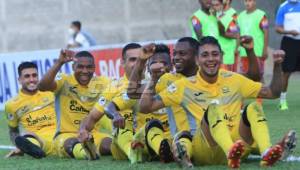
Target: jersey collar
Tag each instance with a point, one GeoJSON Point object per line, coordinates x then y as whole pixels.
{"type": "Point", "coordinates": [205, 83]}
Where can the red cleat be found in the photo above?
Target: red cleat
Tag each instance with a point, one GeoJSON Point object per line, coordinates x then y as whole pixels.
{"type": "Point", "coordinates": [235, 154]}
{"type": "Point", "coordinates": [271, 156]}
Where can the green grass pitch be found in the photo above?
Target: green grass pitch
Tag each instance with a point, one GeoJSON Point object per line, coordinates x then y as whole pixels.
{"type": "Point", "coordinates": [279, 123]}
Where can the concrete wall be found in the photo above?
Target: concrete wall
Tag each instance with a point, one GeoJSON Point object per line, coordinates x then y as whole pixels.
{"type": "Point", "coordinates": [42, 24]}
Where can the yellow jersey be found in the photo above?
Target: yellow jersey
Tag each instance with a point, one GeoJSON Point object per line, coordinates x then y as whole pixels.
{"type": "Point", "coordinates": [194, 95]}
{"type": "Point", "coordinates": [115, 89]}
{"type": "Point", "coordinates": [32, 113]}
{"type": "Point", "coordinates": [74, 101]}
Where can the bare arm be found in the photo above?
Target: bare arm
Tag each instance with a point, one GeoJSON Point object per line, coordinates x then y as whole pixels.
{"type": "Point", "coordinates": [88, 124]}
{"type": "Point", "coordinates": [266, 44]}
{"type": "Point", "coordinates": [13, 133]}
{"type": "Point", "coordinates": [48, 83]}
{"type": "Point", "coordinates": [147, 102]}
{"type": "Point", "coordinates": [274, 89]}
{"type": "Point", "coordinates": [280, 30]}
{"type": "Point", "coordinates": [253, 71]}
{"type": "Point", "coordinates": [112, 112]}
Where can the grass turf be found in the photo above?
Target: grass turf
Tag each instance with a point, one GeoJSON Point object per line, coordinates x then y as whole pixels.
{"type": "Point", "coordinates": [279, 123]}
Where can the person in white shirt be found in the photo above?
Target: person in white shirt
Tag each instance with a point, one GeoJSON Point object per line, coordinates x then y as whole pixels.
{"type": "Point", "coordinates": [79, 38]}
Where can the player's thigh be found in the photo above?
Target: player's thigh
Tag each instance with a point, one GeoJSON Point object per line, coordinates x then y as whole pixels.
{"type": "Point", "coordinates": [99, 138]}
{"type": "Point", "coordinates": [292, 50]}
{"type": "Point", "coordinates": [48, 144]}
{"type": "Point", "coordinates": [204, 154]}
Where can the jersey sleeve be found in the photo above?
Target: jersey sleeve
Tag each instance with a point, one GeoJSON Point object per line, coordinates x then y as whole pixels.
{"type": "Point", "coordinates": [280, 17]}
{"type": "Point", "coordinates": [123, 102]}
{"type": "Point", "coordinates": [11, 116]}
{"type": "Point", "coordinates": [233, 27]}
{"type": "Point", "coordinates": [249, 88]}
{"type": "Point", "coordinates": [196, 24]}
{"type": "Point", "coordinates": [60, 79]}
{"type": "Point", "coordinates": [82, 40]}
{"type": "Point", "coordinates": [171, 96]}
{"type": "Point", "coordinates": [264, 23]}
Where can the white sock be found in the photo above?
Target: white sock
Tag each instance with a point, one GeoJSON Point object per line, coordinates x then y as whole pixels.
{"type": "Point", "coordinates": [282, 97]}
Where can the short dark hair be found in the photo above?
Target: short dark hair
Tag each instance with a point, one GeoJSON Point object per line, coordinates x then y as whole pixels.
{"type": "Point", "coordinates": [25, 65]}
{"type": "Point", "coordinates": [129, 47]}
{"type": "Point", "coordinates": [193, 43]}
{"type": "Point", "coordinates": [77, 24]}
{"type": "Point", "coordinates": [163, 48]}
{"type": "Point", "coordinates": [209, 40]}
{"type": "Point", "coordinates": [84, 54]}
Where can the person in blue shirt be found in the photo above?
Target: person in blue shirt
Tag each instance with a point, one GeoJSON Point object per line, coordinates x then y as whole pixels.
{"type": "Point", "coordinates": [288, 25]}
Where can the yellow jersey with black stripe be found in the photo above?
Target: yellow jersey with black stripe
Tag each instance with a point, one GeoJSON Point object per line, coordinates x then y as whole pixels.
{"type": "Point", "coordinates": [74, 101]}
{"type": "Point", "coordinates": [194, 95]}
{"type": "Point", "coordinates": [115, 89]}
{"type": "Point", "coordinates": [32, 113]}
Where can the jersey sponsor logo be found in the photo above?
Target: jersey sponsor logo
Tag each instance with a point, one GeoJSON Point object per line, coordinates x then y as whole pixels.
{"type": "Point", "coordinates": [128, 117]}
{"type": "Point", "coordinates": [198, 94]}
{"type": "Point", "coordinates": [39, 119]}
{"type": "Point", "coordinates": [23, 110]}
{"type": "Point", "coordinates": [75, 107]}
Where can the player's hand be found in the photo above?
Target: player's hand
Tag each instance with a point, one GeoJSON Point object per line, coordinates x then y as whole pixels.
{"type": "Point", "coordinates": [147, 51]}
{"type": "Point", "coordinates": [157, 70]}
{"type": "Point", "coordinates": [294, 33]}
{"type": "Point", "coordinates": [15, 152]}
{"type": "Point", "coordinates": [119, 121]}
{"type": "Point", "coordinates": [278, 56]}
{"type": "Point", "coordinates": [265, 55]}
{"type": "Point", "coordinates": [66, 56]}
{"type": "Point", "coordinates": [84, 135]}
{"type": "Point", "coordinates": [247, 42]}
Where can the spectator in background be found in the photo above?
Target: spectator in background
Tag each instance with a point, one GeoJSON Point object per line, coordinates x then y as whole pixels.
{"type": "Point", "coordinates": [288, 24]}
{"type": "Point", "coordinates": [79, 38]}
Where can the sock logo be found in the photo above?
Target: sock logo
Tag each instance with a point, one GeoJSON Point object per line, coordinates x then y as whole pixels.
{"type": "Point", "coordinates": [214, 125]}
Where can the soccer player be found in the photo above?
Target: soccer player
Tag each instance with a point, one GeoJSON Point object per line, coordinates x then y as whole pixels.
{"type": "Point", "coordinates": [152, 128]}
{"type": "Point", "coordinates": [229, 32]}
{"type": "Point", "coordinates": [75, 95]}
{"type": "Point", "coordinates": [288, 24]}
{"type": "Point", "coordinates": [123, 146]}
{"type": "Point", "coordinates": [253, 22]}
{"type": "Point", "coordinates": [202, 22]}
{"type": "Point", "coordinates": [221, 122]}
{"type": "Point", "coordinates": [31, 115]}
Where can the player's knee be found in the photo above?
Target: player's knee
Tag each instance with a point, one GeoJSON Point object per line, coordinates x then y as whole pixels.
{"type": "Point", "coordinates": [183, 134]}
{"type": "Point", "coordinates": [105, 146]}
{"type": "Point", "coordinates": [153, 123]}
{"type": "Point", "coordinates": [69, 145]}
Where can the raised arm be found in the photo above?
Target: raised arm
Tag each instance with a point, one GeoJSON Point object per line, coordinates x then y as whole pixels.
{"type": "Point", "coordinates": [135, 86]}
{"type": "Point", "coordinates": [253, 69]}
{"type": "Point", "coordinates": [48, 83]}
{"type": "Point", "coordinates": [274, 89]}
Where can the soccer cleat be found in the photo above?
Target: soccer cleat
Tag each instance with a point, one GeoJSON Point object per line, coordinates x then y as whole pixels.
{"type": "Point", "coordinates": [29, 148]}
{"type": "Point", "coordinates": [235, 154]}
{"type": "Point", "coordinates": [90, 149]}
{"type": "Point", "coordinates": [283, 106]}
{"type": "Point", "coordinates": [181, 156]}
{"type": "Point", "coordinates": [271, 156]}
{"type": "Point", "coordinates": [288, 144]}
{"type": "Point", "coordinates": [165, 153]}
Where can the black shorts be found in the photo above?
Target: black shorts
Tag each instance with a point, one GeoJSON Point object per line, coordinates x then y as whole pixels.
{"type": "Point", "coordinates": [291, 47]}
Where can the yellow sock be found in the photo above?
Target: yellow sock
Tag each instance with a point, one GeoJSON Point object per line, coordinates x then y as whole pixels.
{"type": "Point", "coordinates": [187, 143]}
{"type": "Point", "coordinates": [34, 141]}
{"type": "Point", "coordinates": [79, 152]}
{"type": "Point", "coordinates": [124, 139]}
{"type": "Point", "coordinates": [259, 127]}
{"type": "Point", "coordinates": [154, 137]}
{"type": "Point", "coordinates": [218, 128]}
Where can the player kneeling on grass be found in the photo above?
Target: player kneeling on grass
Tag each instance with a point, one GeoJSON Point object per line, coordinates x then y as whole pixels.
{"type": "Point", "coordinates": [218, 139]}
{"type": "Point", "coordinates": [32, 110]}
{"type": "Point", "coordinates": [151, 130]}
{"type": "Point", "coordinates": [75, 95]}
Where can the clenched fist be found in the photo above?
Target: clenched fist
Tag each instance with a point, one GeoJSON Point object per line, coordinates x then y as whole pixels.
{"type": "Point", "coordinates": [66, 56]}
{"type": "Point", "coordinates": [247, 42]}
{"type": "Point", "coordinates": [147, 51]}
{"type": "Point", "coordinates": [278, 56]}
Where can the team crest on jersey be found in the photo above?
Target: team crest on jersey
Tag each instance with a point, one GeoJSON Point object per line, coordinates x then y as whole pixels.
{"type": "Point", "coordinates": [172, 88]}
{"type": "Point", "coordinates": [58, 76]}
{"type": "Point", "coordinates": [102, 101]}
{"type": "Point", "coordinates": [125, 96]}
{"type": "Point", "coordinates": [10, 116]}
